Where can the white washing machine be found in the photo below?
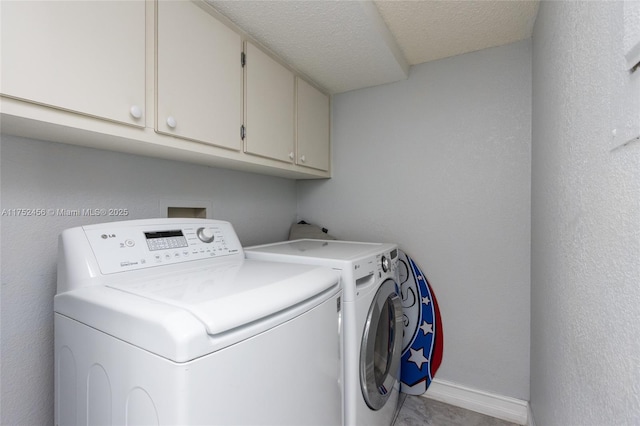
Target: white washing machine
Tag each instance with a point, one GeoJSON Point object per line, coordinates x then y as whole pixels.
{"type": "Point", "coordinates": [372, 315]}
{"type": "Point", "coordinates": [164, 322]}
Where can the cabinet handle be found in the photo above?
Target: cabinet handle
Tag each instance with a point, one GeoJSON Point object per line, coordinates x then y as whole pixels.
{"type": "Point", "coordinates": [291, 156]}
{"type": "Point", "coordinates": [135, 111]}
{"type": "Point", "coordinates": [171, 122]}
{"type": "Point", "coordinates": [302, 158]}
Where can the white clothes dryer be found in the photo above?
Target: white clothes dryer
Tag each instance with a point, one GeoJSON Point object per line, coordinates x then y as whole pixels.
{"type": "Point", "coordinates": [165, 322]}
{"type": "Point", "coordinates": [372, 315]}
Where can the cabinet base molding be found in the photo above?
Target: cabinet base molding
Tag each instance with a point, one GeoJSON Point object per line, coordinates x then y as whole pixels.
{"type": "Point", "coordinates": [32, 121]}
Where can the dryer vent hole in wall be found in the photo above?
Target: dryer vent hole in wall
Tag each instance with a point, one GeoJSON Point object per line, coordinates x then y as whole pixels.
{"type": "Point", "coordinates": [189, 212]}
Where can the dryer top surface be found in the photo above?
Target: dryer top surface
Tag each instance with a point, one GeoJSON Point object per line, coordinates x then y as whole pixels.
{"type": "Point", "coordinates": [319, 249]}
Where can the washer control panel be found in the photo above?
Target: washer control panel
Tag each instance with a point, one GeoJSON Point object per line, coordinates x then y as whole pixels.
{"type": "Point", "coordinates": [122, 248]}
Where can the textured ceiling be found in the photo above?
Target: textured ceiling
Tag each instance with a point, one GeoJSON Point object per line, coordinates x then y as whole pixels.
{"type": "Point", "coordinates": [345, 45]}
{"type": "Point", "coordinates": [429, 30]}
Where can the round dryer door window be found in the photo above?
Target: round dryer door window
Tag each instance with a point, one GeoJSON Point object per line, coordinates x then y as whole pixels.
{"type": "Point", "coordinates": [381, 346]}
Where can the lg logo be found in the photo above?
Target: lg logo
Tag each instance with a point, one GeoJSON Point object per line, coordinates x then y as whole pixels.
{"type": "Point", "coordinates": [105, 236]}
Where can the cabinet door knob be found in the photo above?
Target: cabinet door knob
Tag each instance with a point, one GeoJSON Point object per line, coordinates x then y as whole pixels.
{"type": "Point", "coordinates": [291, 156]}
{"type": "Point", "coordinates": [171, 122]}
{"type": "Point", "coordinates": [302, 158]}
{"type": "Point", "coordinates": [135, 111]}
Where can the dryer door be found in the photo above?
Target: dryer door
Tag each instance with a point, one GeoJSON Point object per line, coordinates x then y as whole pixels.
{"type": "Point", "coordinates": [381, 346]}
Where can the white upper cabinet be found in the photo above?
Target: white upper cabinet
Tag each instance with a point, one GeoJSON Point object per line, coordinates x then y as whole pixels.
{"type": "Point", "coordinates": [199, 76]}
{"type": "Point", "coordinates": [82, 56]}
{"type": "Point", "coordinates": [157, 78]}
{"type": "Point", "coordinates": [270, 103]}
{"type": "Point", "coordinates": [312, 127]}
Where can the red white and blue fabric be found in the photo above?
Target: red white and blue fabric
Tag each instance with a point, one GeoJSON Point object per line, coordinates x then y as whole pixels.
{"type": "Point", "coordinates": [422, 338]}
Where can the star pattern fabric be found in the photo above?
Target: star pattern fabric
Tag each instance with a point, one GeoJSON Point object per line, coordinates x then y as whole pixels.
{"type": "Point", "coordinates": [422, 334]}
{"type": "Point", "coordinates": [426, 327]}
{"type": "Point", "coordinates": [417, 357]}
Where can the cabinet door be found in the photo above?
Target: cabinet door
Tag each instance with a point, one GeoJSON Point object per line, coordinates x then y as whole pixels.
{"type": "Point", "coordinates": [312, 127]}
{"type": "Point", "coordinates": [83, 56]}
{"type": "Point", "coordinates": [199, 76]}
{"type": "Point", "coordinates": [269, 107]}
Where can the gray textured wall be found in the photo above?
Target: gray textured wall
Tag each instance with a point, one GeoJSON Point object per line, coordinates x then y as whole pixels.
{"type": "Point", "coordinates": [440, 164]}
{"type": "Point", "coordinates": [585, 285]}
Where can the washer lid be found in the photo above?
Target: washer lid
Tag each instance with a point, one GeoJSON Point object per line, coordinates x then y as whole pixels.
{"type": "Point", "coordinates": [230, 295]}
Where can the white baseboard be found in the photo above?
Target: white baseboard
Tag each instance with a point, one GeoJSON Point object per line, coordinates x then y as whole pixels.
{"type": "Point", "coordinates": [502, 407]}
{"type": "Point", "coordinates": [530, 422]}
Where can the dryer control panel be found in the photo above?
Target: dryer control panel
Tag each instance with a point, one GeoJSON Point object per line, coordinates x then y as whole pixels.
{"type": "Point", "coordinates": [387, 263]}
{"type": "Point", "coordinates": [124, 246]}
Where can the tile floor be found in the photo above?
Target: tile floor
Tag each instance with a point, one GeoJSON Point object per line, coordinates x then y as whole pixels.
{"type": "Point", "coordinates": [420, 411]}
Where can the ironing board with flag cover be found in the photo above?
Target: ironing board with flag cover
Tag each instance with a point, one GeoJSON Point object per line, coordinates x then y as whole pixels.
{"type": "Point", "coordinates": [422, 338]}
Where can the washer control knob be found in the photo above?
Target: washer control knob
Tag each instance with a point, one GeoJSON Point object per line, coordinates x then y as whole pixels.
{"type": "Point", "coordinates": [384, 262]}
{"type": "Point", "coordinates": [205, 235]}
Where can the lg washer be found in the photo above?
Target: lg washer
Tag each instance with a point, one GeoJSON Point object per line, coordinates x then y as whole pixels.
{"type": "Point", "coordinates": [372, 314]}
{"type": "Point", "coordinates": [165, 322]}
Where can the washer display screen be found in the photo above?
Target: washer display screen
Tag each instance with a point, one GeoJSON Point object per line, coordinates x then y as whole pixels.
{"type": "Point", "coordinates": [163, 240]}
